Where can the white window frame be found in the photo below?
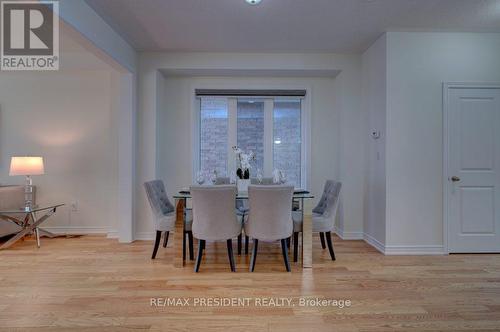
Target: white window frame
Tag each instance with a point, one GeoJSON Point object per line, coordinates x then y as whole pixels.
{"type": "Point", "coordinates": [305, 175]}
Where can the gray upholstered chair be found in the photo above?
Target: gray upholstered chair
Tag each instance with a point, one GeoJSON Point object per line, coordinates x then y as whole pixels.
{"type": "Point", "coordinates": [241, 210]}
{"type": "Point", "coordinates": [164, 216]}
{"type": "Point", "coordinates": [214, 218]}
{"type": "Point", "coordinates": [222, 180]}
{"type": "Point", "coordinates": [323, 217]}
{"type": "Point", "coordinates": [265, 181]}
{"type": "Point", "coordinates": [270, 217]}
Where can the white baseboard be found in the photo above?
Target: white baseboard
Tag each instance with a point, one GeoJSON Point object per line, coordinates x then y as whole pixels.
{"type": "Point", "coordinates": [348, 235]}
{"type": "Point", "coordinates": [403, 250]}
{"type": "Point", "coordinates": [385, 249]}
{"type": "Point", "coordinates": [144, 236]}
{"type": "Point", "coordinates": [76, 229]}
{"type": "Point", "coordinates": [374, 242]}
{"type": "Point", "coordinates": [414, 250]}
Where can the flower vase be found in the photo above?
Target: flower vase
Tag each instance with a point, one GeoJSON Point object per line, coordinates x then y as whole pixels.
{"type": "Point", "coordinates": [242, 184]}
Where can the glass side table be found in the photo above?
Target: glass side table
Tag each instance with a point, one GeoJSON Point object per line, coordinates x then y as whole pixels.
{"type": "Point", "coordinates": [28, 221]}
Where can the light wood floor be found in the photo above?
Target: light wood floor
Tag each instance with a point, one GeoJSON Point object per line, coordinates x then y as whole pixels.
{"type": "Point", "coordinates": [97, 284]}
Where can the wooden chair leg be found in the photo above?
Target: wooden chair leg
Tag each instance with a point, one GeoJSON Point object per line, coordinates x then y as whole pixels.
{"type": "Point", "coordinates": [201, 246]}
{"type": "Point", "coordinates": [284, 250]}
{"type": "Point", "coordinates": [330, 245]}
{"type": "Point", "coordinates": [191, 249]}
{"type": "Point", "coordinates": [230, 254]}
{"type": "Point", "coordinates": [239, 244]}
{"type": "Point", "coordinates": [295, 246]}
{"type": "Point", "coordinates": [157, 244]}
{"type": "Point", "coordinates": [322, 238]}
{"type": "Point", "coordinates": [254, 254]}
{"type": "Point", "coordinates": [247, 239]}
{"type": "Point", "coordinates": [165, 240]}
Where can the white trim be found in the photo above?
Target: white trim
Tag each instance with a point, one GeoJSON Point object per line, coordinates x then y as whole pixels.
{"type": "Point", "coordinates": [374, 242]}
{"type": "Point", "coordinates": [414, 250]}
{"type": "Point", "coordinates": [447, 86]}
{"type": "Point", "coordinates": [78, 230]}
{"type": "Point", "coordinates": [268, 137]}
{"type": "Point", "coordinates": [471, 85]}
{"type": "Point", "coordinates": [403, 250]}
{"type": "Point", "coordinates": [145, 236]}
{"type": "Point", "coordinates": [195, 134]}
{"type": "Point", "coordinates": [306, 110]}
{"type": "Point", "coordinates": [113, 234]}
{"type": "Point", "coordinates": [232, 133]}
{"type": "Point", "coordinates": [348, 235]}
{"type": "Point", "coordinates": [127, 126]}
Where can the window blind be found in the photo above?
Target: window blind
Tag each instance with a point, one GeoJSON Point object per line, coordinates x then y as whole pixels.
{"type": "Point", "coordinates": [250, 93]}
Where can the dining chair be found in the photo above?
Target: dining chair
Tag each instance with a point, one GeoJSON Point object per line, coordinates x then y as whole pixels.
{"type": "Point", "coordinates": [164, 217]}
{"type": "Point", "coordinates": [241, 210]}
{"type": "Point", "coordinates": [214, 218]}
{"type": "Point", "coordinates": [269, 218]}
{"type": "Point", "coordinates": [265, 181]}
{"type": "Point", "coordinates": [222, 180]}
{"type": "Point", "coordinates": [323, 217]}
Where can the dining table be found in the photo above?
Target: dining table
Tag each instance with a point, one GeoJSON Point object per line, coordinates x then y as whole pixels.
{"type": "Point", "coordinates": [299, 196]}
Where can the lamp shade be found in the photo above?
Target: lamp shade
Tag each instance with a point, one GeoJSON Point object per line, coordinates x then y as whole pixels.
{"type": "Point", "coordinates": [26, 166]}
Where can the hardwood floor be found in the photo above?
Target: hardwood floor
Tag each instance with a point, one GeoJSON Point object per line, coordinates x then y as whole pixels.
{"type": "Point", "coordinates": [96, 284]}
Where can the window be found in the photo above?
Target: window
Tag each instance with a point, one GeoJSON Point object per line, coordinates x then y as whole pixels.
{"type": "Point", "coordinates": [271, 127]}
{"type": "Point", "coordinates": [213, 135]}
{"type": "Point", "coordinates": [250, 131]}
{"type": "Point", "coordinates": [287, 149]}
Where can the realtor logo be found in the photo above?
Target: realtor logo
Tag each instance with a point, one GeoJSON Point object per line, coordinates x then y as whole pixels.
{"type": "Point", "coordinates": [30, 35]}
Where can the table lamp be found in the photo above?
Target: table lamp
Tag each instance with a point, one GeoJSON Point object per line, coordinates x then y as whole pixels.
{"type": "Point", "coordinates": [27, 166]}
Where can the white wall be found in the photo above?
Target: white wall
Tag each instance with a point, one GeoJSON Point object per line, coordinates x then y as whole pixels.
{"type": "Point", "coordinates": [346, 98]}
{"type": "Point", "coordinates": [374, 104]}
{"type": "Point", "coordinates": [417, 65]}
{"type": "Point", "coordinates": [66, 117]}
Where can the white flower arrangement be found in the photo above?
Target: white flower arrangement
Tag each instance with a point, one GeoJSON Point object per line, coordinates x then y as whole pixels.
{"type": "Point", "coordinates": [244, 159]}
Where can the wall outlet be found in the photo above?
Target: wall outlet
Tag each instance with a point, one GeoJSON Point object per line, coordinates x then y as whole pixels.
{"type": "Point", "coordinates": [74, 206]}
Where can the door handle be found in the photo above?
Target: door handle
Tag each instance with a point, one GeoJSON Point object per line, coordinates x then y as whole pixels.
{"type": "Point", "coordinates": [455, 179]}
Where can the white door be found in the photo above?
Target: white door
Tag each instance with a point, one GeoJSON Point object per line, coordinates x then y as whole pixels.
{"type": "Point", "coordinates": [473, 170]}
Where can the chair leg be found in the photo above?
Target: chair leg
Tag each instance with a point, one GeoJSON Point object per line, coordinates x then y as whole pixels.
{"type": "Point", "coordinates": [184, 246]}
{"type": "Point", "coordinates": [247, 239]}
{"type": "Point", "coordinates": [288, 242]}
{"type": "Point", "coordinates": [201, 246]}
{"type": "Point", "coordinates": [157, 244]}
{"type": "Point", "coordinates": [191, 249]}
{"type": "Point", "coordinates": [230, 254]}
{"type": "Point", "coordinates": [165, 240]}
{"type": "Point", "coordinates": [322, 238]}
{"type": "Point", "coordinates": [295, 246]}
{"type": "Point", "coordinates": [284, 249]}
{"type": "Point", "coordinates": [330, 245]}
{"type": "Point", "coordinates": [239, 244]}
{"type": "Point", "coordinates": [254, 254]}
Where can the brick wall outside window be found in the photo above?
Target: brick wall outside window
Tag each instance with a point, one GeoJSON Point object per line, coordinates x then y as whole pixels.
{"type": "Point", "coordinates": [213, 135]}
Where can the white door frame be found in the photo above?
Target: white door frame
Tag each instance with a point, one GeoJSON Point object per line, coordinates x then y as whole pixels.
{"type": "Point", "coordinates": [447, 86]}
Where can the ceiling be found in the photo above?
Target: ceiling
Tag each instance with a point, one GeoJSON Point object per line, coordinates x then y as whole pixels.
{"type": "Point", "coordinates": [341, 26]}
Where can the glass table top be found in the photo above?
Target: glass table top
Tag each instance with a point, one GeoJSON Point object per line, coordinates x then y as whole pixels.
{"type": "Point", "coordinates": [36, 208]}
{"type": "Point", "coordinates": [298, 193]}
